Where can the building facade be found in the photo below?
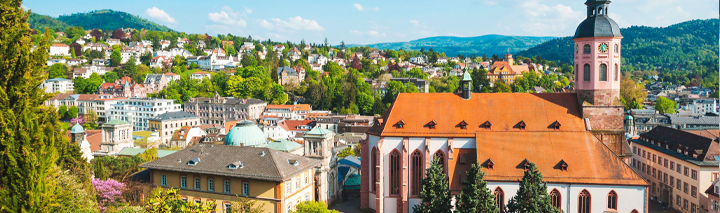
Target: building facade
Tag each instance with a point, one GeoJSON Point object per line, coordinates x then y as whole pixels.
{"type": "Point", "coordinates": [139, 111]}
{"type": "Point", "coordinates": [274, 179]}
{"type": "Point", "coordinates": [58, 85]}
{"type": "Point", "coordinates": [116, 135]}
{"type": "Point", "coordinates": [218, 110]}
{"type": "Point", "coordinates": [167, 123]}
{"type": "Point", "coordinates": [679, 165]}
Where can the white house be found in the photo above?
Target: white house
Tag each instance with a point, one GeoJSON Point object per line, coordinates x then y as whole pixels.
{"type": "Point", "coordinates": [200, 75]}
{"type": "Point", "coordinates": [87, 70]}
{"type": "Point", "coordinates": [60, 50]}
{"type": "Point", "coordinates": [137, 111]}
{"type": "Point", "coordinates": [164, 44]}
{"type": "Point", "coordinates": [75, 62]}
{"type": "Point", "coordinates": [112, 41]}
{"type": "Point", "coordinates": [80, 41]}
{"type": "Point", "coordinates": [158, 61]}
{"type": "Point", "coordinates": [52, 61]}
{"type": "Point", "coordinates": [442, 60]}
{"type": "Point", "coordinates": [100, 62]}
{"type": "Point", "coordinates": [58, 85]}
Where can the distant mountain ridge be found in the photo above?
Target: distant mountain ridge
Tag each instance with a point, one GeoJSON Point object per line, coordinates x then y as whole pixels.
{"type": "Point", "coordinates": [101, 19]}
{"type": "Point", "coordinates": [695, 40]}
{"type": "Point", "coordinates": [479, 45]}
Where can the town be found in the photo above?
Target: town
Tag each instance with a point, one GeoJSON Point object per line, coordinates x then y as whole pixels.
{"type": "Point", "coordinates": [163, 121]}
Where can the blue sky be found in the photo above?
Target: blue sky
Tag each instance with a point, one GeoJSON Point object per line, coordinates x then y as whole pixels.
{"type": "Point", "coordinates": [365, 22]}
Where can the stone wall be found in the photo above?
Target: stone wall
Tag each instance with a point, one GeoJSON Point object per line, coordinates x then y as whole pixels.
{"type": "Point", "coordinates": [600, 97]}
{"type": "Point", "coordinates": [604, 117]}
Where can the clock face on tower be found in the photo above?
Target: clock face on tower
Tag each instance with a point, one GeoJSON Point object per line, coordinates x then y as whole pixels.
{"type": "Point", "coordinates": [603, 47]}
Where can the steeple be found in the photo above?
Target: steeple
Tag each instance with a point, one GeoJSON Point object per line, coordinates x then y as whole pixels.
{"type": "Point", "coordinates": [466, 85]}
{"type": "Point", "coordinates": [597, 23]}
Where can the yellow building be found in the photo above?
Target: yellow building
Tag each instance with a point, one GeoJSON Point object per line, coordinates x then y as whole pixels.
{"type": "Point", "coordinates": [506, 71]}
{"type": "Point", "coordinates": [167, 123]}
{"type": "Point", "coordinates": [276, 180]}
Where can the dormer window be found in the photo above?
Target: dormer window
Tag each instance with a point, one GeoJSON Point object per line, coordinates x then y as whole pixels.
{"type": "Point", "coordinates": [489, 163]}
{"type": "Point", "coordinates": [563, 165]}
{"type": "Point", "coordinates": [556, 125]}
{"type": "Point", "coordinates": [487, 125]}
{"type": "Point", "coordinates": [235, 165]}
{"type": "Point", "coordinates": [293, 162]}
{"type": "Point", "coordinates": [193, 162]}
{"type": "Point", "coordinates": [463, 125]}
{"type": "Point", "coordinates": [400, 124]}
{"type": "Point", "coordinates": [522, 125]}
{"type": "Point", "coordinates": [526, 164]}
{"type": "Point", "coordinates": [431, 124]}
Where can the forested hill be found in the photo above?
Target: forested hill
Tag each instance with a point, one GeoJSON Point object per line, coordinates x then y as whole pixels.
{"type": "Point", "coordinates": [677, 46]}
{"type": "Point", "coordinates": [452, 46]}
{"type": "Point", "coordinates": [101, 19]}
{"type": "Point", "coordinates": [40, 22]}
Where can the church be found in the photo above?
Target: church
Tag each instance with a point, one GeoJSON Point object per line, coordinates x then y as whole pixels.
{"type": "Point", "coordinates": [575, 139]}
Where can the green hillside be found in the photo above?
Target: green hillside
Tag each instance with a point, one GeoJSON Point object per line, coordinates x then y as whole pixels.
{"type": "Point", "coordinates": [682, 45]}
{"type": "Point", "coordinates": [452, 46]}
{"type": "Point", "coordinates": [109, 19]}
{"type": "Point", "coordinates": [40, 22]}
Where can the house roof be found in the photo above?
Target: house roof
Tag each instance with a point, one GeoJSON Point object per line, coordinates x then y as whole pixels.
{"type": "Point", "coordinates": [706, 148]}
{"type": "Point", "coordinates": [708, 133]}
{"type": "Point", "coordinates": [283, 145]}
{"type": "Point", "coordinates": [132, 151]}
{"type": "Point", "coordinates": [294, 125]}
{"type": "Point", "coordinates": [318, 131]}
{"type": "Point", "coordinates": [257, 163]}
{"type": "Point", "coordinates": [116, 122]}
{"type": "Point", "coordinates": [169, 116]}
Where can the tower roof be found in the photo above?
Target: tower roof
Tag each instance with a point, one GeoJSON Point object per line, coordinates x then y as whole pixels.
{"type": "Point", "coordinates": [77, 128]}
{"type": "Point", "coordinates": [466, 76]}
{"type": "Point", "coordinates": [245, 133]}
{"type": "Point", "coordinates": [597, 23]}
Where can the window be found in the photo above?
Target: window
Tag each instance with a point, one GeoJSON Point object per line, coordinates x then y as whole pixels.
{"type": "Point", "coordinates": [694, 175]}
{"type": "Point", "coordinates": [693, 208]}
{"type": "Point", "coordinates": [228, 207]}
{"type": "Point", "coordinates": [672, 181]}
{"type": "Point", "coordinates": [246, 188]}
{"type": "Point", "coordinates": [643, 153]}
{"type": "Point", "coordinates": [440, 155]}
{"type": "Point", "coordinates": [395, 173]}
{"type": "Point", "coordinates": [163, 180]}
{"type": "Point", "coordinates": [183, 182]}
{"type": "Point", "coordinates": [665, 178]}
{"type": "Point", "coordinates": [678, 200]}
{"type": "Point", "coordinates": [678, 168]}
{"type": "Point", "coordinates": [226, 186]}
{"type": "Point", "coordinates": [288, 187]}
{"type": "Point", "coordinates": [693, 191]}
{"type": "Point", "coordinates": [686, 171]}
{"type": "Point", "coordinates": [714, 205]}
{"type": "Point", "coordinates": [686, 187]}
{"type": "Point", "coordinates": [612, 200]}
{"type": "Point", "coordinates": [499, 199]}
{"type": "Point", "coordinates": [634, 211]}
{"type": "Point", "coordinates": [586, 73]}
{"type": "Point", "coordinates": [211, 185]}
{"type": "Point", "coordinates": [373, 169]}
{"type": "Point", "coordinates": [417, 168]}
{"type": "Point", "coordinates": [305, 176]}
{"type": "Point", "coordinates": [297, 184]}
{"type": "Point", "coordinates": [653, 187]}
{"type": "Point", "coordinates": [654, 158]}
{"type": "Point", "coordinates": [672, 165]}
{"type": "Point", "coordinates": [556, 198]}
{"type": "Point", "coordinates": [603, 72]}
{"type": "Point", "coordinates": [197, 200]}
{"type": "Point", "coordinates": [617, 48]}
{"type": "Point", "coordinates": [659, 159]}
{"type": "Point", "coordinates": [586, 49]}
{"type": "Point", "coordinates": [679, 184]}
{"type": "Point", "coordinates": [584, 202]}
{"type": "Point", "coordinates": [653, 172]}
{"type": "Point", "coordinates": [197, 183]}
{"type": "Point", "coordinates": [685, 204]}
{"type": "Point", "coordinates": [666, 163]}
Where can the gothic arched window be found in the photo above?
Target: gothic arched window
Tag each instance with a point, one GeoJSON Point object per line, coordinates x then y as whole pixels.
{"type": "Point", "coordinates": [586, 72]}
{"type": "Point", "coordinates": [616, 72]}
{"type": "Point", "coordinates": [556, 198]}
{"type": "Point", "coordinates": [603, 72]}
{"type": "Point", "coordinates": [499, 199]}
{"type": "Point", "coordinates": [617, 48]}
{"type": "Point", "coordinates": [586, 49]}
{"type": "Point", "coordinates": [440, 155]}
{"type": "Point", "coordinates": [417, 168]}
{"type": "Point", "coordinates": [612, 200]}
{"type": "Point", "coordinates": [394, 172]}
{"type": "Point", "coordinates": [584, 202]}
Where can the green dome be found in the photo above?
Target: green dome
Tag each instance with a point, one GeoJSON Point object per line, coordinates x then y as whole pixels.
{"type": "Point", "coordinates": [245, 133]}
{"type": "Point", "coordinates": [628, 117]}
{"type": "Point", "coordinates": [77, 128]}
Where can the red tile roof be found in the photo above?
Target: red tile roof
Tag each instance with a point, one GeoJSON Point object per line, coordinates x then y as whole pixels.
{"type": "Point", "coordinates": [294, 125]}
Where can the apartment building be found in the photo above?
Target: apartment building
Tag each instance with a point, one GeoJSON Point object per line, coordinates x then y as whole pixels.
{"type": "Point", "coordinates": [169, 122]}
{"type": "Point", "coordinates": [138, 111]}
{"type": "Point", "coordinates": [58, 85]}
{"type": "Point", "coordinates": [679, 165]}
{"type": "Point", "coordinates": [218, 110]}
{"type": "Point", "coordinates": [85, 102]}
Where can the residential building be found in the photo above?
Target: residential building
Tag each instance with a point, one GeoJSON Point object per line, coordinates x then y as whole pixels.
{"type": "Point", "coordinates": [100, 62]}
{"type": "Point", "coordinates": [422, 84]}
{"type": "Point", "coordinates": [288, 75]}
{"type": "Point", "coordinates": [160, 61]}
{"type": "Point", "coordinates": [138, 111]}
{"type": "Point", "coordinates": [702, 106]}
{"type": "Point", "coordinates": [156, 82]}
{"type": "Point", "coordinates": [712, 194]}
{"type": "Point", "coordinates": [288, 111]}
{"type": "Point", "coordinates": [587, 169]}
{"type": "Point", "coordinates": [695, 122]}
{"type": "Point", "coordinates": [58, 85]}
{"type": "Point", "coordinates": [442, 60]}
{"type": "Point", "coordinates": [112, 41]}
{"type": "Point", "coordinates": [95, 46]}
{"type": "Point", "coordinates": [200, 76]}
{"type": "Point", "coordinates": [75, 62]}
{"type": "Point", "coordinates": [643, 120]}
{"type": "Point", "coordinates": [214, 62]}
{"type": "Point", "coordinates": [52, 61]}
{"type": "Point", "coordinates": [59, 50]}
{"type": "Point", "coordinates": [506, 70]}
{"type": "Point", "coordinates": [218, 110]}
{"type": "Point", "coordinates": [167, 123]}
{"type": "Point", "coordinates": [123, 87]}
{"type": "Point", "coordinates": [87, 70]}
{"type": "Point", "coordinates": [185, 136]}
{"type": "Point", "coordinates": [85, 102]}
{"type": "Point", "coordinates": [678, 164]}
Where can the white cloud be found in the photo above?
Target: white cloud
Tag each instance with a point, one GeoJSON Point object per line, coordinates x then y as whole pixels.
{"type": "Point", "coordinates": [358, 7]}
{"type": "Point", "coordinates": [377, 9]}
{"type": "Point", "coordinates": [543, 19]}
{"type": "Point", "coordinates": [293, 23]}
{"type": "Point", "coordinates": [415, 22]}
{"type": "Point", "coordinates": [248, 10]}
{"type": "Point", "coordinates": [371, 33]}
{"type": "Point", "coordinates": [159, 14]}
{"type": "Point", "coordinates": [228, 17]}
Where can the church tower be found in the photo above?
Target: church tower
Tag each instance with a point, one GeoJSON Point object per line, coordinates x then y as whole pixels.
{"type": "Point", "coordinates": [597, 75]}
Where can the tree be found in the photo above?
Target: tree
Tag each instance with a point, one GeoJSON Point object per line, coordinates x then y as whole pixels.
{"type": "Point", "coordinates": [435, 192]}
{"type": "Point", "coordinates": [313, 207]}
{"type": "Point", "coordinates": [62, 111]}
{"type": "Point", "coordinates": [145, 58]}
{"type": "Point", "coordinates": [356, 150]}
{"type": "Point", "coordinates": [96, 34]}
{"type": "Point", "coordinates": [29, 136]}
{"type": "Point", "coordinates": [73, 112]}
{"type": "Point", "coordinates": [100, 171]}
{"type": "Point", "coordinates": [57, 70]}
{"type": "Point", "coordinates": [248, 60]}
{"type": "Point", "coordinates": [665, 105]}
{"type": "Point", "coordinates": [480, 80]}
{"type": "Point", "coordinates": [111, 76]}
{"type": "Point", "coordinates": [356, 64]}
{"type": "Point", "coordinates": [167, 201]}
{"type": "Point", "coordinates": [108, 192]}
{"type": "Point", "coordinates": [475, 196]}
{"type": "Point", "coordinates": [246, 205]}
{"type": "Point", "coordinates": [91, 119]}
{"type": "Point", "coordinates": [118, 34]}
{"type": "Point", "coordinates": [631, 91]}
{"type": "Point", "coordinates": [532, 195]}
{"type": "Point", "coordinates": [346, 152]}
{"type": "Point", "coordinates": [76, 49]}
{"type": "Point", "coordinates": [115, 58]}
{"type": "Point", "coordinates": [74, 32]}
{"type": "Point", "coordinates": [500, 87]}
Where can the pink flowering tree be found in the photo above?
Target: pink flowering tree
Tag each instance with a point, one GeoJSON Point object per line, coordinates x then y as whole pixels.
{"type": "Point", "coordinates": [108, 192]}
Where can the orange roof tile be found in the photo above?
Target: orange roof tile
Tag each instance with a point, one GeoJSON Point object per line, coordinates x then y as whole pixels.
{"type": "Point", "coordinates": [294, 124]}
{"type": "Point", "coordinates": [273, 106]}
{"type": "Point", "coordinates": [301, 107]}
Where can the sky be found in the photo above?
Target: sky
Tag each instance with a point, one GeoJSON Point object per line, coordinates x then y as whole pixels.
{"type": "Point", "coordinates": [367, 22]}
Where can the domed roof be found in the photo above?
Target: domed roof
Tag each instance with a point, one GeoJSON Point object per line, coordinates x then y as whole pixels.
{"type": "Point", "coordinates": [77, 128]}
{"type": "Point", "coordinates": [598, 26]}
{"type": "Point", "coordinates": [629, 117]}
{"type": "Point", "coordinates": [245, 133]}
{"type": "Point", "coordinates": [283, 145]}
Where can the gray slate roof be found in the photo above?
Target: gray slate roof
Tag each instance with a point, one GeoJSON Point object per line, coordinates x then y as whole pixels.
{"type": "Point", "coordinates": [169, 116]}
{"type": "Point", "coordinates": [214, 159]}
{"type": "Point", "coordinates": [288, 70]}
{"type": "Point", "coordinates": [228, 101]}
{"type": "Point", "coordinates": [705, 120]}
{"type": "Point", "coordinates": [705, 148]}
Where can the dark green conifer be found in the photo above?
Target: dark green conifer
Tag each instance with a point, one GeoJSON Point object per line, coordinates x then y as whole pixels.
{"type": "Point", "coordinates": [435, 192]}
{"type": "Point", "coordinates": [532, 195]}
{"type": "Point", "coordinates": [475, 196]}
